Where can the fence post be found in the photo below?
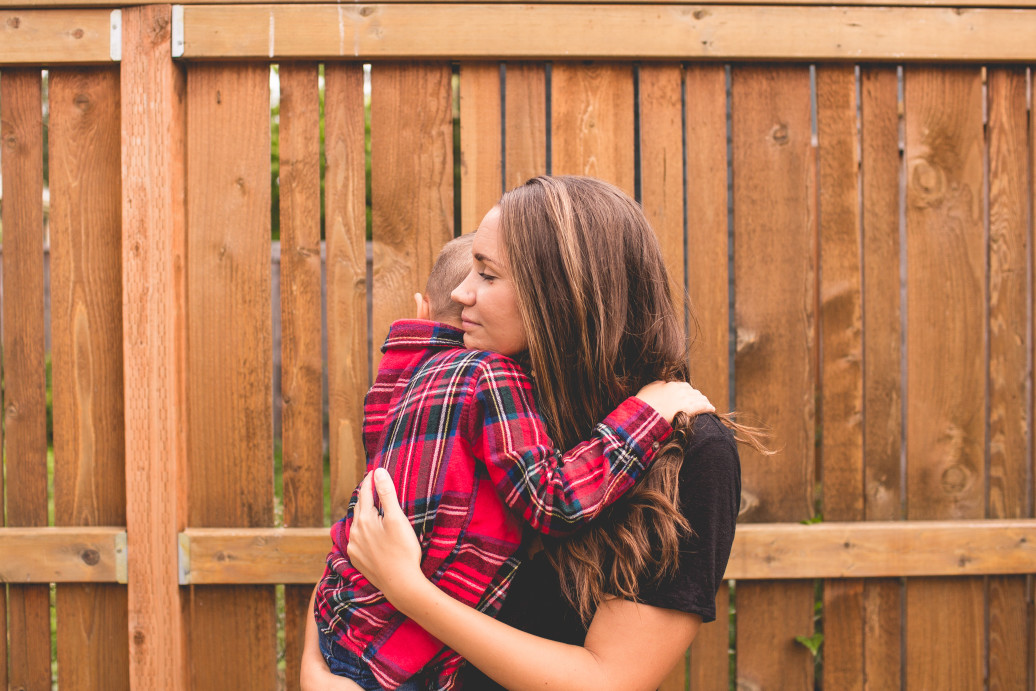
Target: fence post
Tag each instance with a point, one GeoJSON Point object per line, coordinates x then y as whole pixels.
{"type": "Point", "coordinates": [154, 333]}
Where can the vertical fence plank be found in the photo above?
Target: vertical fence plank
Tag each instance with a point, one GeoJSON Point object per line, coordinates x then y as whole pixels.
{"type": "Point", "coordinates": [945, 327]}
{"type": "Point", "coordinates": [347, 328]}
{"type": "Point", "coordinates": [25, 414]}
{"type": "Point", "coordinates": [230, 360]}
{"type": "Point", "coordinates": [411, 183]}
{"type": "Point", "coordinates": [154, 333]}
{"type": "Point", "coordinates": [774, 246]}
{"type": "Point", "coordinates": [481, 167]}
{"type": "Point", "coordinates": [301, 358]}
{"type": "Point", "coordinates": [1008, 360]}
{"type": "Point", "coordinates": [592, 121]}
{"type": "Point", "coordinates": [86, 332]}
{"type": "Point", "coordinates": [882, 354]}
{"type": "Point", "coordinates": [661, 171]}
{"type": "Point", "coordinates": [525, 122]}
{"type": "Point", "coordinates": [841, 380]}
{"type": "Point", "coordinates": [708, 292]}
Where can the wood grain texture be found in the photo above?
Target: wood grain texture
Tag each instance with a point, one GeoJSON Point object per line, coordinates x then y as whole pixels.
{"type": "Point", "coordinates": [230, 357]}
{"type": "Point", "coordinates": [301, 358]}
{"type": "Point", "coordinates": [481, 165]}
{"type": "Point", "coordinates": [708, 284]}
{"type": "Point", "coordinates": [25, 415]}
{"type": "Point", "coordinates": [1009, 349]}
{"type": "Point", "coordinates": [775, 370]}
{"type": "Point", "coordinates": [946, 321]}
{"type": "Point", "coordinates": [86, 333]}
{"type": "Point", "coordinates": [882, 357]}
{"type": "Point", "coordinates": [661, 166]}
{"type": "Point", "coordinates": [54, 36]}
{"type": "Point", "coordinates": [345, 219]}
{"type": "Point", "coordinates": [566, 31]}
{"type": "Point", "coordinates": [592, 121]}
{"type": "Point", "coordinates": [79, 554]}
{"type": "Point", "coordinates": [841, 364]}
{"type": "Point", "coordinates": [525, 122]}
{"type": "Point", "coordinates": [411, 183]}
{"type": "Point", "coordinates": [154, 333]}
{"type": "Point", "coordinates": [710, 657]}
{"type": "Point", "coordinates": [862, 3]}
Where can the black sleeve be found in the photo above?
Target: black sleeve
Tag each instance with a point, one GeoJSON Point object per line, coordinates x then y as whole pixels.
{"type": "Point", "coordinates": [710, 495]}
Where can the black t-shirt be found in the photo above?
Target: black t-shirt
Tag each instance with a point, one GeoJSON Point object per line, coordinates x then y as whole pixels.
{"type": "Point", "coordinates": [710, 494]}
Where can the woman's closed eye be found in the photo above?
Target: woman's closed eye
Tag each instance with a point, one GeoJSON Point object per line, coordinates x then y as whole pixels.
{"type": "Point", "coordinates": [486, 276]}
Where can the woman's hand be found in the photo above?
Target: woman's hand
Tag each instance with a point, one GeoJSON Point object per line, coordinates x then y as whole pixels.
{"type": "Point", "coordinates": [670, 398]}
{"type": "Point", "coordinates": [314, 674]}
{"type": "Point", "coordinates": [382, 544]}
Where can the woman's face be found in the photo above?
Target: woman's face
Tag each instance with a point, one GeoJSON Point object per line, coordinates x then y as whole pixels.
{"type": "Point", "coordinates": [490, 317]}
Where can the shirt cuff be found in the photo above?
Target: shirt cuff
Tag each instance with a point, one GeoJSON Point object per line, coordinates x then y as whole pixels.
{"type": "Point", "coordinates": [640, 427]}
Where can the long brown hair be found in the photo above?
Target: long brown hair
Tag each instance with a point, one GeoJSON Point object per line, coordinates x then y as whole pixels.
{"type": "Point", "coordinates": [593, 294]}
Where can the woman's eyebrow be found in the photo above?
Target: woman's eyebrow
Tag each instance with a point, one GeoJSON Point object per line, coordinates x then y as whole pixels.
{"type": "Point", "coordinates": [479, 257]}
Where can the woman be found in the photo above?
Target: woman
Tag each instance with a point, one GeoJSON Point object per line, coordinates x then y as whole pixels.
{"type": "Point", "coordinates": [592, 293]}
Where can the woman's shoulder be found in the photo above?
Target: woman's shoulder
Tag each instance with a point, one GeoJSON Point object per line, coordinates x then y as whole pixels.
{"type": "Point", "coordinates": [708, 431]}
{"type": "Point", "coordinates": [711, 460]}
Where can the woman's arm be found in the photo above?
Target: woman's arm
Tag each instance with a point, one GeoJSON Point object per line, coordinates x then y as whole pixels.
{"type": "Point", "coordinates": [628, 646]}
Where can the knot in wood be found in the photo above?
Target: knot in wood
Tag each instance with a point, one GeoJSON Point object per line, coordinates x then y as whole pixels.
{"type": "Point", "coordinates": [367, 11]}
{"type": "Point", "coordinates": [928, 183]}
{"type": "Point", "coordinates": [955, 478]}
{"type": "Point", "coordinates": [78, 33]}
{"type": "Point", "coordinates": [82, 102]}
{"type": "Point", "coordinates": [779, 134]}
{"type": "Point", "coordinates": [14, 22]}
{"type": "Point", "coordinates": [139, 637]}
{"type": "Point", "coordinates": [90, 557]}
{"type": "Point", "coordinates": [700, 13]}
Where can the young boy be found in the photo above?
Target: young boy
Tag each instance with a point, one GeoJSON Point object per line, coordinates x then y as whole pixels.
{"type": "Point", "coordinates": [459, 433]}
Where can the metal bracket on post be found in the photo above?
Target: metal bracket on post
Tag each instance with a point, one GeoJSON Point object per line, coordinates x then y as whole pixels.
{"type": "Point", "coordinates": [183, 543]}
{"type": "Point", "coordinates": [115, 40]}
{"type": "Point", "coordinates": [121, 559]}
{"type": "Point", "coordinates": [177, 33]}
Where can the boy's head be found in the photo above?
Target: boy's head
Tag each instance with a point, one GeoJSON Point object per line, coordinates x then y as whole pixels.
{"type": "Point", "coordinates": [451, 266]}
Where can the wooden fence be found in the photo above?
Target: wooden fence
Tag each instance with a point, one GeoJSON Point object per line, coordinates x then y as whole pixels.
{"type": "Point", "coordinates": [871, 274]}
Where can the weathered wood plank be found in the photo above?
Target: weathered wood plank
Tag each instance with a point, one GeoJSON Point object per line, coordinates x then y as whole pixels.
{"type": "Point", "coordinates": [608, 31]}
{"type": "Point", "coordinates": [230, 435]}
{"type": "Point", "coordinates": [348, 370]}
{"type": "Point", "coordinates": [841, 373]}
{"type": "Point", "coordinates": [764, 551]}
{"type": "Point", "coordinates": [25, 414]}
{"type": "Point", "coordinates": [946, 322]}
{"type": "Point", "coordinates": [1009, 348]}
{"type": "Point", "coordinates": [481, 165]}
{"type": "Point", "coordinates": [863, 3]}
{"type": "Point", "coordinates": [86, 333]}
{"type": "Point", "coordinates": [592, 121]}
{"type": "Point", "coordinates": [775, 369]}
{"type": "Point", "coordinates": [411, 183]}
{"type": "Point", "coordinates": [525, 122]}
{"type": "Point", "coordinates": [882, 354]}
{"type": "Point", "coordinates": [54, 36]}
{"type": "Point", "coordinates": [301, 358]}
{"type": "Point", "coordinates": [81, 554]}
{"type": "Point", "coordinates": [154, 333]}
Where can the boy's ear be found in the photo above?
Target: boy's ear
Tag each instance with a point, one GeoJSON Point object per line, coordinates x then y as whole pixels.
{"type": "Point", "coordinates": [423, 308]}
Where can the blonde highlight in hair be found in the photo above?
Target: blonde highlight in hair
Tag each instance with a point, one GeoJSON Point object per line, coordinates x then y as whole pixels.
{"type": "Point", "coordinates": [594, 298]}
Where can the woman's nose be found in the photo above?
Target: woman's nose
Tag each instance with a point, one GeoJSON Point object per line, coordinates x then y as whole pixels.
{"type": "Point", "coordinates": [463, 294]}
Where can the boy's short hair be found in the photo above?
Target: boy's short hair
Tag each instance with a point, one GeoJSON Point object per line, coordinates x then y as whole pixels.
{"type": "Point", "coordinates": [451, 266]}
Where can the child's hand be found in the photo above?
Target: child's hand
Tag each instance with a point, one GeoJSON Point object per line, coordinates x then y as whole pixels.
{"type": "Point", "coordinates": [382, 544]}
{"type": "Point", "coordinates": [670, 398]}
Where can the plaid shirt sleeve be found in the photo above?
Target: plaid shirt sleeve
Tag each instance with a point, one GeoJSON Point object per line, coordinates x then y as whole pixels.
{"type": "Point", "coordinates": [556, 492]}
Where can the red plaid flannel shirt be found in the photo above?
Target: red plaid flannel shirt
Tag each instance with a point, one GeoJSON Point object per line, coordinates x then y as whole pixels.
{"type": "Point", "coordinates": [459, 433]}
